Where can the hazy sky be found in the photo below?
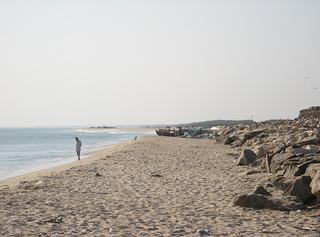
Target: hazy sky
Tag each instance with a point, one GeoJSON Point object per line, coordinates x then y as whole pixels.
{"type": "Point", "coordinates": [137, 62]}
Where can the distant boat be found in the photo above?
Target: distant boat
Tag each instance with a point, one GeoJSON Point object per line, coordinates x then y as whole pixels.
{"type": "Point", "coordinates": [166, 132]}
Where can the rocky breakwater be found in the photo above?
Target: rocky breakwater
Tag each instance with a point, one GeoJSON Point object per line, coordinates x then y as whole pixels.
{"type": "Point", "coordinates": [289, 151]}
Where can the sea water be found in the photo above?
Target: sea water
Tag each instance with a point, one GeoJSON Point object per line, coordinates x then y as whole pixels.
{"type": "Point", "coordinates": [24, 150]}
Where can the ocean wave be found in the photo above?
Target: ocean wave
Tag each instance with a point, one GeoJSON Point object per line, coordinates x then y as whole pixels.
{"type": "Point", "coordinates": [118, 132]}
{"type": "Point", "coordinates": [98, 130]}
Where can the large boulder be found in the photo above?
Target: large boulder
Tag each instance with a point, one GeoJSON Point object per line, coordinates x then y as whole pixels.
{"type": "Point", "coordinates": [315, 185]}
{"type": "Point", "coordinates": [297, 169]}
{"type": "Point", "coordinates": [249, 135]}
{"type": "Point", "coordinates": [276, 161]}
{"type": "Point", "coordinates": [300, 188]}
{"type": "Point", "coordinates": [259, 201]}
{"type": "Point", "coordinates": [293, 165]}
{"type": "Point", "coordinates": [294, 186]}
{"type": "Point", "coordinates": [309, 149]}
{"type": "Point", "coordinates": [297, 166]}
{"type": "Point", "coordinates": [304, 135]}
{"type": "Point", "coordinates": [308, 141]}
{"type": "Point", "coordinates": [305, 151]}
{"type": "Point", "coordinates": [247, 157]}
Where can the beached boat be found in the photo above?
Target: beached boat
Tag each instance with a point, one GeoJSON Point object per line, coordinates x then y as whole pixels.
{"type": "Point", "coordinates": [166, 132]}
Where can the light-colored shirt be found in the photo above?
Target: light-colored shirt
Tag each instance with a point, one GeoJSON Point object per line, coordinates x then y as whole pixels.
{"type": "Point", "coordinates": [78, 145]}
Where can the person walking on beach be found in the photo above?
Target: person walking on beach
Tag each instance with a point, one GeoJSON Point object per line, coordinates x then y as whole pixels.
{"type": "Point", "coordinates": [78, 147]}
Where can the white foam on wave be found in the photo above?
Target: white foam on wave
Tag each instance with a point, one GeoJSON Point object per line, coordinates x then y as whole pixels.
{"type": "Point", "coordinates": [118, 132]}
{"type": "Point", "coordinates": [98, 130]}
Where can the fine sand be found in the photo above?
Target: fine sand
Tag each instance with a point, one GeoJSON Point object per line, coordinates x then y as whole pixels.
{"type": "Point", "coordinates": [156, 186]}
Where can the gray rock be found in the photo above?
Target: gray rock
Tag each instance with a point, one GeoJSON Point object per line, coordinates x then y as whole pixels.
{"type": "Point", "coordinates": [293, 165]}
{"type": "Point", "coordinates": [230, 140]}
{"type": "Point", "coordinates": [299, 151]}
{"type": "Point", "coordinates": [313, 149]}
{"type": "Point", "coordinates": [312, 170]}
{"type": "Point", "coordinates": [260, 151]}
{"type": "Point", "coordinates": [308, 141]}
{"type": "Point", "coordinates": [312, 112]}
{"type": "Point", "coordinates": [55, 220]}
{"type": "Point", "coordinates": [295, 169]}
{"type": "Point", "coordinates": [277, 161]}
{"type": "Point", "coordinates": [251, 134]}
{"type": "Point", "coordinates": [247, 157]}
{"type": "Point", "coordinates": [262, 190]}
{"type": "Point", "coordinates": [258, 201]}
{"type": "Point", "coordinates": [305, 151]}
{"type": "Point", "coordinates": [290, 203]}
{"type": "Point", "coordinates": [203, 232]}
{"type": "Point", "coordinates": [297, 166]}
{"type": "Point", "coordinates": [315, 185]}
{"type": "Point", "coordinates": [269, 147]}
{"type": "Point", "coordinates": [294, 186]}
{"type": "Point", "coordinates": [281, 182]}
{"type": "Point", "coordinates": [269, 185]}
{"type": "Point", "coordinates": [300, 188]}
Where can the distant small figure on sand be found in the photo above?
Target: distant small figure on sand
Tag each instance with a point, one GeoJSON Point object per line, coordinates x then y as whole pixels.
{"type": "Point", "coordinates": [78, 147]}
{"type": "Point", "coordinates": [135, 138]}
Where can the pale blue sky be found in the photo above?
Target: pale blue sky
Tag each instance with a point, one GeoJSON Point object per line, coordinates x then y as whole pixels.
{"type": "Point", "coordinates": [138, 62]}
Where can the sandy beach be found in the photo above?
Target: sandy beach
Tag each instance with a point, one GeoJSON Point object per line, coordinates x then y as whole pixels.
{"type": "Point", "coordinates": [156, 186]}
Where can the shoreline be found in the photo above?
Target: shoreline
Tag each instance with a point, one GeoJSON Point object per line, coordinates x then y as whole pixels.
{"type": "Point", "coordinates": [87, 159]}
{"type": "Point", "coordinates": [67, 162]}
